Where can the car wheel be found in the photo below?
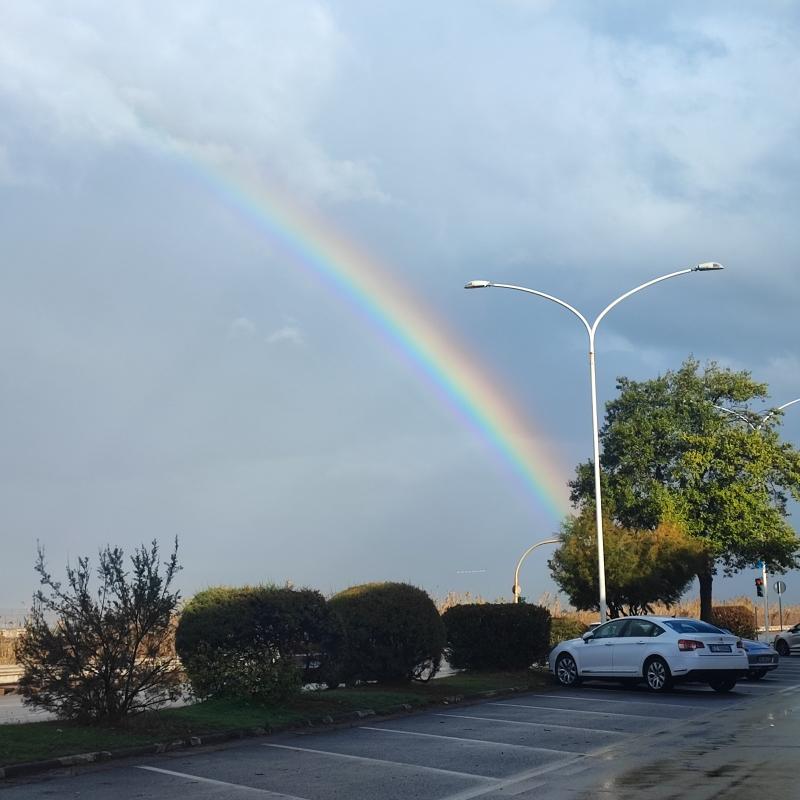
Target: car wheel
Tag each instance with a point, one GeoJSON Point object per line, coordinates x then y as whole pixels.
{"type": "Point", "coordinates": [567, 670]}
{"type": "Point", "coordinates": [657, 675]}
{"type": "Point", "coordinates": [782, 648]}
{"type": "Point", "coordinates": [722, 684]}
{"type": "Point", "coordinates": [756, 674]}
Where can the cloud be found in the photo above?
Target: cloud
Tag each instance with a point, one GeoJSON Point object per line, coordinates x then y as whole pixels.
{"type": "Point", "coordinates": [287, 334]}
{"type": "Point", "coordinates": [245, 81]}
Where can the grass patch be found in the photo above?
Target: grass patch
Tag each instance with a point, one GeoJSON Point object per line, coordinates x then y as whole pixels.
{"type": "Point", "coordinates": [37, 741]}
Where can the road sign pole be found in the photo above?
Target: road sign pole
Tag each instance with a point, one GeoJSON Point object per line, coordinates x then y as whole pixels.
{"type": "Point", "coordinates": [766, 600]}
{"type": "Point", "coordinates": [780, 588]}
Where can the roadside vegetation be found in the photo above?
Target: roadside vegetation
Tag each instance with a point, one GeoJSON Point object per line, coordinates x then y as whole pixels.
{"type": "Point", "coordinates": [43, 740]}
{"type": "Point", "coordinates": [104, 660]}
{"type": "Point", "coordinates": [670, 453]}
{"type": "Point", "coordinates": [105, 652]}
{"type": "Point", "coordinates": [745, 607]}
{"type": "Point", "coordinates": [643, 568]}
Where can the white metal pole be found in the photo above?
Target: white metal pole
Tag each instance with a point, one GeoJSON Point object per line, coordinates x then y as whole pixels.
{"type": "Point", "coordinates": [522, 558]}
{"type": "Point", "coordinates": [766, 599]}
{"type": "Point", "coordinates": [483, 284]}
{"type": "Point", "coordinates": [601, 557]}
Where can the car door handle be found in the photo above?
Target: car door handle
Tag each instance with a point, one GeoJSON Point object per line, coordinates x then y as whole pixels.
{"type": "Point", "coordinates": [609, 644]}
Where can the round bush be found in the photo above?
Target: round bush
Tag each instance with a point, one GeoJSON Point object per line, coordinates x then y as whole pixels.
{"type": "Point", "coordinates": [393, 633]}
{"type": "Point", "coordinates": [262, 641]}
{"type": "Point", "coordinates": [737, 619]}
{"type": "Point", "coordinates": [564, 628]}
{"type": "Point", "coordinates": [496, 635]}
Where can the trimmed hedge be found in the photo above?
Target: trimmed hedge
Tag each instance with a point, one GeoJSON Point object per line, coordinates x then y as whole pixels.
{"type": "Point", "coordinates": [737, 619]}
{"type": "Point", "coordinates": [496, 635]}
{"type": "Point", "coordinates": [393, 631]}
{"type": "Point", "coordinates": [563, 628]}
{"type": "Point", "coordinates": [257, 641]}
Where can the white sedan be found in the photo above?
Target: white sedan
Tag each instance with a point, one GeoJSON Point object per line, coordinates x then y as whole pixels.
{"type": "Point", "coordinates": [658, 650]}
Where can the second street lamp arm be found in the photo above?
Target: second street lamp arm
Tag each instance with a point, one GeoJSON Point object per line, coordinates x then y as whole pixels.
{"type": "Point", "coordinates": [522, 558]}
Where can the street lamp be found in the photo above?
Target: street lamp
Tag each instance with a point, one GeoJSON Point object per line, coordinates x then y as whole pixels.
{"type": "Point", "coordinates": [760, 425]}
{"type": "Point", "coordinates": [522, 558]}
{"type": "Point", "coordinates": [756, 428]}
{"type": "Point", "coordinates": [591, 329]}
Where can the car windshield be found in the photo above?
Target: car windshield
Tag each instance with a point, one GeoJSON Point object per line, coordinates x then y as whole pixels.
{"type": "Point", "coordinates": [691, 626]}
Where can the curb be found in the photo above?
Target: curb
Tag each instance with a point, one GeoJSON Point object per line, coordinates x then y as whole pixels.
{"type": "Point", "coordinates": [328, 720]}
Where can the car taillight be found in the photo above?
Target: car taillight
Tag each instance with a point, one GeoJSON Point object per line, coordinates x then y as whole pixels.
{"type": "Point", "coordinates": [689, 644]}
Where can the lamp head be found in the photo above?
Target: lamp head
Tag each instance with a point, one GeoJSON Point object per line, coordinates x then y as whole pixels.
{"type": "Point", "coordinates": [708, 266]}
{"type": "Point", "coordinates": [477, 284]}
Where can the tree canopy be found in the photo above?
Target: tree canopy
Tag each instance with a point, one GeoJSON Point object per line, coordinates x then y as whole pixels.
{"type": "Point", "coordinates": [668, 451]}
{"type": "Point", "coordinates": [642, 568]}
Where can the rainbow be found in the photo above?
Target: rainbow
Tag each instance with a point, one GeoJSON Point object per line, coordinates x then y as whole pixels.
{"type": "Point", "coordinates": [404, 320]}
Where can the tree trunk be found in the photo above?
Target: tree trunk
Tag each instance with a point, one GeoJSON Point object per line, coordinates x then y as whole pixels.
{"type": "Point", "coordinates": [706, 578]}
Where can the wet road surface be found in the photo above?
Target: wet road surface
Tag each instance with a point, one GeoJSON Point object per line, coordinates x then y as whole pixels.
{"type": "Point", "coordinates": [595, 741]}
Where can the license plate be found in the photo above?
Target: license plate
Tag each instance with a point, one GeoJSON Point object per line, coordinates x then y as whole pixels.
{"type": "Point", "coordinates": [765, 659]}
{"type": "Point", "coordinates": [720, 648]}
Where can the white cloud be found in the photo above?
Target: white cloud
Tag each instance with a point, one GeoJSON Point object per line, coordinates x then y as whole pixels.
{"type": "Point", "coordinates": [245, 79]}
{"type": "Point", "coordinates": [287, 334]}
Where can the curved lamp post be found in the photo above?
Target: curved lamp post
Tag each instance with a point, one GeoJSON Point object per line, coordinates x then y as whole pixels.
{"type": "Point", "coordinates": [758, 427]}
{"type": "Point", "coordinates": [764, 418]}
{"type": "Point", "coordinates": [591, 329]}
{"type": "Point", "coordinates": [522, 558]}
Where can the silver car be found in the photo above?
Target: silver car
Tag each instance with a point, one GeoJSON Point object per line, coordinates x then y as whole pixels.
{"type": "Point", "coordinates": [788, 642]}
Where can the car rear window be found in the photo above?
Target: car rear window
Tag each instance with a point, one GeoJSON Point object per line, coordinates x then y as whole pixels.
{"type": "Point", "coordinates": [691, 626]}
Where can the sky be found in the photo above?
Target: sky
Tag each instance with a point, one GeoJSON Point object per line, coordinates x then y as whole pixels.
{"type": "Point", "coordinates": [234, 240]}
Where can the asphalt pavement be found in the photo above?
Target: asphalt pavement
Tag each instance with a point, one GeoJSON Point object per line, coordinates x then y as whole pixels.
{"type": "Point", "coordinates": [593, 741]}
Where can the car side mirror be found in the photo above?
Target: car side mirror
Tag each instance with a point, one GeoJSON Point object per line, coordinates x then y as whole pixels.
{"type": "Point", "coordinates": [587, 636]}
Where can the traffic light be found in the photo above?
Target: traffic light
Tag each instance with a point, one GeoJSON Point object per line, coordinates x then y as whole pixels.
{"type": "Point", "coordinates": [760, 587]}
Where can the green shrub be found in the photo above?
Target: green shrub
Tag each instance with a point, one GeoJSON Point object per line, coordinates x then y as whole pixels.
{"type": "Point", "coordinates": [563, 628]}
{"type": "Point", "coordinates": [496, 635]}
{"type": "Point", "coordinates": [101, 653]}
{"type": "Point", "coordinates": [263, 642]}
{"type": "Point", "coordinates": [393, 632]}
{"type": "Point", "coordinates": [737, 619]}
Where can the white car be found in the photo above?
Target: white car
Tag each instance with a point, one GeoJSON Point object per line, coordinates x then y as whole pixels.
{"type": "Point", "coordinates": [787, 643]}
{"type": "Point", "coordinates": [658, 650]}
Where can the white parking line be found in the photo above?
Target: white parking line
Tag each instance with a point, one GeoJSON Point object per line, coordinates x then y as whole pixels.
{"type": "Point", "coordinates": [366, 759]}
{"type": "Point", "coordinates": [520, 777]}
{"type": "Point", "coordinates": [197, 778]}
{"type": "Point", "coordinates": [535, 724]}
{"type": "Point", "coordinates": [466, 739]}
{"type": "Point", "coordinates": [628, 699]}
{"type": "Point", "coordinates": [581, 711]}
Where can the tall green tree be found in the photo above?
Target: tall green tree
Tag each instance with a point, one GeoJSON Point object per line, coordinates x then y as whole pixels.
{"type": "Point", "coordinates": [668, 452]}
{"type": "Point", "coordinates": [642, 568]}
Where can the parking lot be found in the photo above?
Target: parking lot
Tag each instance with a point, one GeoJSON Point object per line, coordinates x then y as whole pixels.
{"type": "Point", "coordinates": [509, 746]}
